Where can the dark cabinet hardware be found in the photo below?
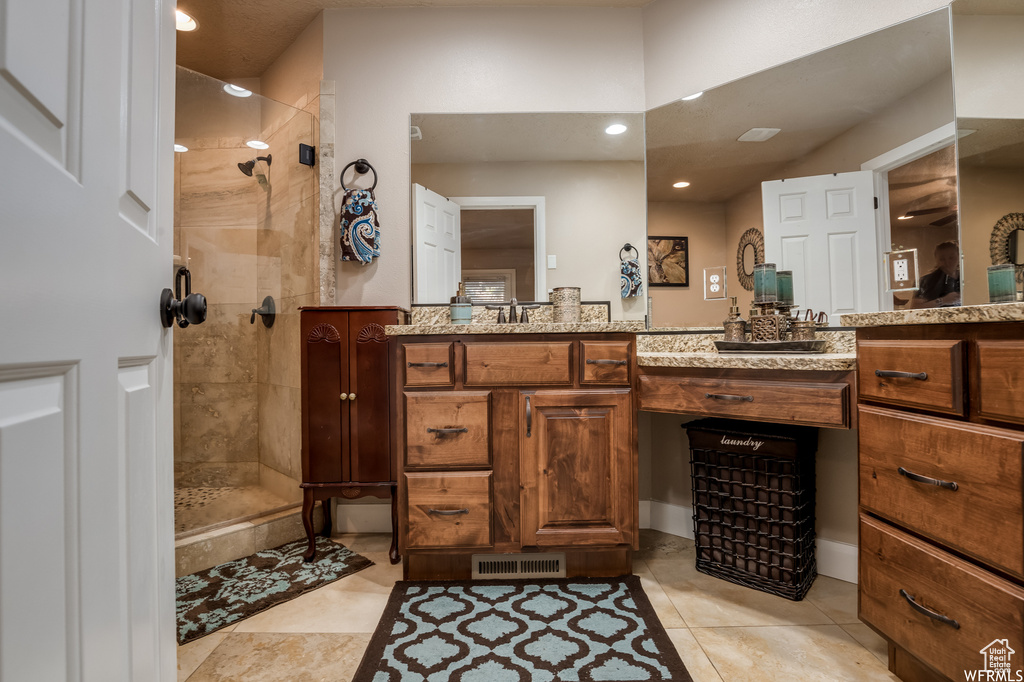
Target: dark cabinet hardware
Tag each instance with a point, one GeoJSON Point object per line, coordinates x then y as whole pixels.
{"type": "Point", "coordinates": [948, 485]}
{"type": "Point", "coordinates": [928, 612]}
{"type": "Point", "coordinates": [447, 512]}
{"type": "Point", "coordinates": [606, 362]}
{"type": "Point", "coordinates": [725, 396]}
{"type": "Point", "coordinates": [901, 375]}
{"type": "Point", "coordinates": [529, 417]}
{"type": "Point", "coordinates": [444, 431]}
{"type": "Point", "coordinates": [266, 311]}
{"type": "Point", "coordinates": [427, 364]}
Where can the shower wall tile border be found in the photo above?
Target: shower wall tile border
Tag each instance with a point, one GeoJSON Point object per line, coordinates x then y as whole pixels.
{"type": "Point", "coordinates": [328, 276]}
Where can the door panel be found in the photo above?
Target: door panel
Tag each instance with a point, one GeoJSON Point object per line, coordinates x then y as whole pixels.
{"type": "Point", "coordinates": [437, 247]}
{"type": "Point", "coordinates": [323, 382]}
{"type": "Point", "coordinates": [369, 449]}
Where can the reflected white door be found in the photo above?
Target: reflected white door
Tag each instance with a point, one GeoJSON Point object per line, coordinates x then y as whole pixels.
{"type": "Point", "coordinates": [437, 247]}
{"type": "Point", "coordinates": [823, 229]}
{"type": "Point", "coordinates": [86, 470]}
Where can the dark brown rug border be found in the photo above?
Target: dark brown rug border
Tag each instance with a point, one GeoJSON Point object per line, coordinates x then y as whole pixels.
{"type": "Point", "coordinates": [379, 641]}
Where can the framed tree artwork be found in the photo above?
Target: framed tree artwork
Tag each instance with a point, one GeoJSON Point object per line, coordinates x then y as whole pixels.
{"type": "Point", "coordinates": [668, 262]}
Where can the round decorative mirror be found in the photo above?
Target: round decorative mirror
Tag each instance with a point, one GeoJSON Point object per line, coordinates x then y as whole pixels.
{"type": "Point", "coordinates": [1006, 245]}
{"type": "Point", "coordinates": [749, 254]}
{"type": "Point", "coordinates": [1015, 243]}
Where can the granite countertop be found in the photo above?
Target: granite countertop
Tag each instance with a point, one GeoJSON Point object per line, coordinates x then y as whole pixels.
{"type": "Point", "coordinates": [995, 312]}
{"type": "Point", "coordinates": [529, 328]}
{"type": "Point", "coordinates": [830, 362]}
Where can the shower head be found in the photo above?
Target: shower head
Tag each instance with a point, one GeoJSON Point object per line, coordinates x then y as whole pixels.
{"type": "Point", "coordinates": [249, 165]}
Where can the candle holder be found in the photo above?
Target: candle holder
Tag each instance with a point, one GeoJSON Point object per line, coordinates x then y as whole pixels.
{"type": "Point", "coordinates": [1002, 283]}
{"type": "Point", "coordinates": [765, 283]}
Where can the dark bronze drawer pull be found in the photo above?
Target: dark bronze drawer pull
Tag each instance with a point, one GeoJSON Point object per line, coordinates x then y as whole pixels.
{"type": "Point", "coordinates": [724, 396]}
{"type": "Point", "coordinates": [948, 485]}
{"type": "Point", "coordinates": [444, 431]}
{"type": "Point", "coordinates": [606, 362]}
{"type": "Point", "coordinates": [428, 364]}
{"type": "Point", "coordinates": [901, 375]}
{"type": "Point", "coordinates": [928, 612]}
{"type": "Point", "coordinates": [529, 417]}
{"type": "Point", "coordinates": [447, 512]}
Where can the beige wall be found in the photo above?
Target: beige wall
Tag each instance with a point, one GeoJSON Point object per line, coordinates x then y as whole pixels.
{"type": "Point", "coordinates": [294, 77]}
{"type": "Point", "coordinates": [988, 57]}
{"type": "Point", "coordinates": [987, 194]}
{"type": "Point", "coordinates": [591, 208]}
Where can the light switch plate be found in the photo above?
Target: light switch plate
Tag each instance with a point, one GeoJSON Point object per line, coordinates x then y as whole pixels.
{"type": "Point", "coordinates": [901, 267]}
{"type": "Point", "coordinates": [714, 283]}
{"type": "Point", "coordinates": [551, 262]}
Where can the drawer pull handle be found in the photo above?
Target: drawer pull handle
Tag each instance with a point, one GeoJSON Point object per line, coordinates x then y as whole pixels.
{"type": "Point", "coordinates": [444, 431]}
{"type": "Point", "coordinates": [606, 362]}
{"type": "Point", "coordinates": [726, 396]}
{"type": "Point", "coordinates": [450, 512]}
{"type": "Point", "coordinates": [428, 364]}
{"type": "Point", "coordinates": [948, 485]}
{"type": "Point", "coordinates": [928, 612]}
{"type": "Point", "coordinates": [529, 417]}
{"type": "Point", "coordinates": [901, 375]}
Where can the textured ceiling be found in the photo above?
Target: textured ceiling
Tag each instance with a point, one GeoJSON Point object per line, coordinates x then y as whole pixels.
{"type": "Point", "coordinates": [241, 38]}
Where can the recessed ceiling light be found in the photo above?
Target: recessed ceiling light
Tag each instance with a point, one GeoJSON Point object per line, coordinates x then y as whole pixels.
{"type": "Point", "coordinates": [693, 96]}
{"type": "Point", "coordinates": [236, 90]}
{"type": "Point", "coordinates": [257, 144]}
{"type": "Point", "coordinates": [180, 147]}
{"type": "Point", "coordinates": [905, 217]}
{"type": "Point", "coordinates": [681, 184]}
{"type": "Point", "coordinates": [184, 22]}
{"type": "Point", "coordinates": [615, 129]}
{"type": "Point", "coordinates": [759, 134]}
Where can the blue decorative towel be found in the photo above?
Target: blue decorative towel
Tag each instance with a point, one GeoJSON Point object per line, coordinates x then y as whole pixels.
{"type": "Point", "coordinates": [360, 229]}
{"type": "Point", "coordinates": [632, 281]}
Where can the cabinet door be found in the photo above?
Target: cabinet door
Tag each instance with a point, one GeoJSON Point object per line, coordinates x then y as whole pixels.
{"type": "Point", "coordinates": [324, 345]}
{"type": "Point", "coordinates": [367, 421]}
{"type": "Point", "coordinates": [577, 468]}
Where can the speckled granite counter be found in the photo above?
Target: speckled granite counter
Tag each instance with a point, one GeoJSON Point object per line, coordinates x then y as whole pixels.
{"type": "Point", "coordinates": [829, 362]}
{"type": "Point", "coordinates": [998, 312]}
{"type": "Point", "coordinates": [530, 328]}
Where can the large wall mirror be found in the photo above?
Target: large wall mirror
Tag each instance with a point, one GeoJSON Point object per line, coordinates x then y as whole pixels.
{"type": "Point", "coordinates": [798, 153]}
{"type": "Point", "coordinates": [517, 204]}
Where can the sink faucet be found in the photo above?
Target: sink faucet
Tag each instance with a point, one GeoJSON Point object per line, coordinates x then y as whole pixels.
{"type": "Point", "coordinates": [513, 314]}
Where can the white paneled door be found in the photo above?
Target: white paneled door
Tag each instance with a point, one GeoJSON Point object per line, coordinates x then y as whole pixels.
{"type": "Point", "coordinates": [823, 229]}
{"type": "Point", "coordinates": [86, 508]}
{"type": "Point", "coordinates": [437, 247]}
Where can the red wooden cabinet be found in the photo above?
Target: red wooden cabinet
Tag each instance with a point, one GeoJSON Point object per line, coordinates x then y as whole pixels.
{"type": "Point", "coordinates": [346, 424]}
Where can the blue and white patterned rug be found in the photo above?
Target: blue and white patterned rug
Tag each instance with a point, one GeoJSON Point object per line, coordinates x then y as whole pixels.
{"type": "Point", "coordinates": [520, 631]}
{"type": "Point", "coordinates": [227, 593]}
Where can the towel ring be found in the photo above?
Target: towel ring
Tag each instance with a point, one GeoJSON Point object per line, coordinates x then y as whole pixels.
{"type": "Point", "coordinates": [362, 167]}
{"type": "Point", "coordinates": [628, 247]}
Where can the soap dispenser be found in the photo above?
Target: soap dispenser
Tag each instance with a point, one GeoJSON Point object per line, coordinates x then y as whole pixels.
{"type": "Point", "coordinates": [734, 325]}
{"type": "Point", "coordinates": [461, 307]}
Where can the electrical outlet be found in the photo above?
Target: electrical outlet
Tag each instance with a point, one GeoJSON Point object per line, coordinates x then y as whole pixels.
{"type": "Point", "coordinates": [714, 283]}
{"type": "Point", "coordinates": [900, 270]}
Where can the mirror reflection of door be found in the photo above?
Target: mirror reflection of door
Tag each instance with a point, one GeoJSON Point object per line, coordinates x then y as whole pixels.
{"type": "Point", "coordinates": [436, 252]}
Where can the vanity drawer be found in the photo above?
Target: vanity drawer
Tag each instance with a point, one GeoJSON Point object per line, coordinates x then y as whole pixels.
{"type": "Point", "coordinates": [812, 404]}
{"type": "Point", "coordinates": [448, 429]}
{"type": "Point", "coordinates": [933, 369]}
{"type": "Point", "coordinates": [1000, 376]}
{"type": "Point", "coordinates": [428, 364]}
{"type": "Point", "coordinates": [448, 510]}
{"type": "Point", "coordinates": [605, 363]}
{"type": "Point", "coordinates": [519, 364]}
{"type": "Point", "coordinates": [985, 608]}
{"type": "Point", "coordinates": [984, 463]}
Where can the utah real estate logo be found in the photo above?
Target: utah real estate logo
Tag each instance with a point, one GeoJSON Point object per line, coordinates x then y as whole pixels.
{"type": "Point", "coordinates": [997, 667]}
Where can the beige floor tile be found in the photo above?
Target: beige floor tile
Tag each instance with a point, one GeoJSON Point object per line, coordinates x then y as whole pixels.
{"type": "Point", "coordinates": [334, 608]}
{"type": "Point", "coordinates": [836, 598]}
{"type": "Point", "coordinates": [809, 653]}
{"type": "Point", "coordinates": [663, 606]}
{"type": "Point", "coordinates": [869, 639]}
{"type": "Point", "coordinates": [655, 544]}
{"type": "Point", "coordinates": [696, 661]}
{"type": "Point", "coordinates": [192, 655]}
{"type": "Point", "coordinates": [364, 542]}
{"type": "Point", "coordinates": [272, 657]}
{"type": "Point", "coordinates": [705, 601]}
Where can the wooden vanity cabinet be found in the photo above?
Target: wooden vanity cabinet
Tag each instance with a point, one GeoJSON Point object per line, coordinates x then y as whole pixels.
{"type": "Point", "coordinates": [941, 462]}
{"type": "Point", "coordinates": [518, 445]}
{"type": "Point", "coordinates": [346, 409]}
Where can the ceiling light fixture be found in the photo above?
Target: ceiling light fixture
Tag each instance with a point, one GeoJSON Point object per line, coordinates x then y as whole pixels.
{"type": "Point", "coordinates": [693, 96]}
{"type": "Point", "coordinates": [615, 129]}
{"type": "Point", "coordinates": [257, 144]}
{"type": "Point", "coordinates": [184, 22]}
{"type": "Point", "coordinates": [180, 147]}
{"type": "Point", "coordinates": [759, 134]}
{"type": "Point", "coordinates": [236, 90]}
{"type": "Point", "coordinates": [681, 184]}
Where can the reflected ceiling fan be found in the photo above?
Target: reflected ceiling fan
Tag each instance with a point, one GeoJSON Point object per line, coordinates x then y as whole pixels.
{"type": "Point", "coordinates": [950, 211]}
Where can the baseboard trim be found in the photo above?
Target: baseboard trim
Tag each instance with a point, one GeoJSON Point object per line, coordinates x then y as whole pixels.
{"type": "Point", "coordinates": [362, 518]}
{"type": "Point", "coordinates": [835, 559]}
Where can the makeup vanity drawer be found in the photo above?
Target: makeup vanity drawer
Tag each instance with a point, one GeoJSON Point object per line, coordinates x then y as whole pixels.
{"type": "Point", "coordinates": [812, 404]}
{"type": "Point", "coordinates": [428, 364]}
{"type": "Point", "coordinates": [942, 479]}
{"type": "Point", "coordinates": [605, 363]}
{"type": "Point", "coordinates": [1000, 376]}
{"type": "Point", "coordinates": [518, 364]}
{"type": "Point", "coordinates": [448, 429]}
{"type": "Point", "coordinates": [448, 510]}
{"type": "Point", "coordinates": [939, 608]}
{"type": "Point", "coordinates": [925, 374]}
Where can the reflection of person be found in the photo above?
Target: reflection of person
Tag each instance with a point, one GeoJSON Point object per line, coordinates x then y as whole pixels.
{"type": "Point", "coordinates": [941, 286]}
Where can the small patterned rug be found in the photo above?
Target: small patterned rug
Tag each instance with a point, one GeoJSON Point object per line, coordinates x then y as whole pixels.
{"type": "Point", "coordinates": [520, 631]}
{"type": "Point", "coordinates": [227, 593]}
